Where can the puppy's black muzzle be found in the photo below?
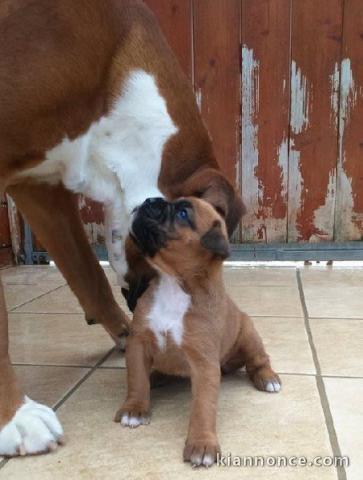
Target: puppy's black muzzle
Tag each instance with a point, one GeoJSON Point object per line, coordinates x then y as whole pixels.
{"type": "Point", "coordinates": [147, 227]}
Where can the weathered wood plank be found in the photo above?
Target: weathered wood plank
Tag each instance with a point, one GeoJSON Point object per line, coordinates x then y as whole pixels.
{"type": "Point", "coordinates": [92, 216]}
{"type": "Point", "coordinates": [349, 206]}
{"type": "Point", "coordinates": [265, 118]}
{"type": "Point", "coordinates": [217, 77]}
{"type": "Point", "coordinates": [6, 257]}
{"type": "Point", "coordinates": [175, 19]}
{"type": "Point", "coordinates": [316, 46]}
{"type": "Point", "coordinates": [5, 239]}
{"type": "Point", "coordinates": [16, 228]}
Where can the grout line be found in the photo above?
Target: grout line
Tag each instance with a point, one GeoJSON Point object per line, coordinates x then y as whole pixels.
{"type": "Point", "coordinates": [337, 318]}
{"type": "Point", "coordinates": [342, 475]}
{"type": "Point", "coordinates": [123, 367]}
{"type": "Point", "coordinates": [107, 367]}
{"type": "Point", "coordinates": [47, 313]}
{"type": "Point", "coordinates": [17, 364]}
{"type": "Point", "coordinates": [344, 377]}
{"type": "Point", "coordinates": [11, 310]}
{"type": "Point", "coordinates": [83, 379]}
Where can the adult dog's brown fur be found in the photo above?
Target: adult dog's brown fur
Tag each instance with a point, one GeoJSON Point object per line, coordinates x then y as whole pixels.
{"type": "Point", "coordinates": [62, 63]}
{"type": "Point", "coordinates": [216, 334]}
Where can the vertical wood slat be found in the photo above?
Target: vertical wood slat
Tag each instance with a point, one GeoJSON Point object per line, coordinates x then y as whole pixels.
{"type": "Point", "coordinates": [349, 205]}
{"type": "Point", "coordinates": [5, 238]}
{"type": "Point", "coordinates": [175, 20]}
{"type": "Point", "coordinates": [217, 77]}
{"type": "Point", "coordinates": [265, 118]}
{"type": "Point", "coordinates": [316, 46]}
{"type": "Point", "coordinates": [92, 216]}
{"type": "Point", "coordinates": [6, 254]}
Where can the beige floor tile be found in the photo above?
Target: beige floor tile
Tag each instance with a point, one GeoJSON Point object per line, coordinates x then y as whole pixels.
{"type": "Point", "coordinates": [333, 292]}
{"type": "Point", "coordinates": [16, 295]}
{"type": "Point", "coordinates": [111, 276]}
{"type": "Point", "coordinates": [339, 301]}
{"type": "Point", "coordinates": [48, 384]}
{"type": "Point", "coordinates": [56, 340]}
{"type": "Point", "coordinates": [30, 275]}
{"type": "Point", "coordinates": [332, 276]}
{"type": "Point", "coordinates": [61, 300]}
{"type": "Point", "coordinates": [267, 301]}
{"type": "Point", "coordinates": [115, 360]}
{"type": "Point", "coordinates": [267, 276]}
{"type": "Point", "coordinates": [287, 344]}
{"type": "Point", "coordinates": [339, 345]}
{"type": "Point", "coordinates": [345, 399]}
{"type": "Point", "coordinates": [250, 423]}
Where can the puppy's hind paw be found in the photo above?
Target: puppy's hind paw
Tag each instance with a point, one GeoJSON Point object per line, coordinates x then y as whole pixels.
{"type": "Point", "coordinates": [266, 380]}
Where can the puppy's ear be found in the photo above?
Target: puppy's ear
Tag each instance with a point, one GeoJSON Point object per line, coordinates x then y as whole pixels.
{"type": "Point", "coordinates": [216, 242]}
{"type": "Point", "coordinates": [211, 185]}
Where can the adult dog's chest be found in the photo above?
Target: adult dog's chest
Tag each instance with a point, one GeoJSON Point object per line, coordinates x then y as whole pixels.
{"type": "Point", "coordinates": [122, 150]}
{"type": "Point", "coordinates": [118, 160]}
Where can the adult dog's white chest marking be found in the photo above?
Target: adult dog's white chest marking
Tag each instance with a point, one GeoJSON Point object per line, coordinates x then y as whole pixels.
{"type": "Point", "coordinates": [166, 315]}
{"type": "Point", "coordinates": [117, 162]}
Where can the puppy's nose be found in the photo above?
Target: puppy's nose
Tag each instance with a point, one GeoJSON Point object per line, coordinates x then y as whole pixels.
{"type": "Point", "coordinates": [154, 207]}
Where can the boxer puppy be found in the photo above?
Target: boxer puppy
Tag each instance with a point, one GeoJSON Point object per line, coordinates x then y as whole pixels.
{"type": "Point", "coordinates": [185, 324]}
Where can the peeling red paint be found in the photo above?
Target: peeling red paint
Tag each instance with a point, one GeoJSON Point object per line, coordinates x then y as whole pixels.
{"type": "Point", "coordinates": [350, 180]}
{"type": "Point", "coordinates": [314, 23]}
{"type": "Point", "coordinates": [91, 212]}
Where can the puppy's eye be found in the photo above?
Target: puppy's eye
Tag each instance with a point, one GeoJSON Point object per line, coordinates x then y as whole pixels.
{"type": "Point", "coordinates": [182, 214]}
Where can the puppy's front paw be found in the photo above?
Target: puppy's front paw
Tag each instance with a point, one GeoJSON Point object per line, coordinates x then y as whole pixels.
{"type": "Point", "coordinates": [201, 453]}
{"type": "Point", "coordinates": [132, 417]}
{"type": "Point", "coordinates": [267, 380]}
{"type": "Point", "coordinates": [34, 428]}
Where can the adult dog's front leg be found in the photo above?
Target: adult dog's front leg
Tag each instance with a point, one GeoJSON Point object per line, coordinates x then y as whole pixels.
{"type": "Point", "coordinates": [53, 214]}
{"type": "Point", "coordinates": [201, 446]}
{"type": "Point", "coordinates": [26, 427]}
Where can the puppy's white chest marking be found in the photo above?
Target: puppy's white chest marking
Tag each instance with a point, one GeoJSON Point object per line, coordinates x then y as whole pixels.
{"type": "Point", "coordinates": [169, 306]}
{"type": "Point", "coordinates": [118, 160]}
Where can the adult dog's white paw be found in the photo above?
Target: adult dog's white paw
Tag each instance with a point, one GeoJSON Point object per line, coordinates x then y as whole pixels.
{"type": "Point", "coordinates": [34, 428]}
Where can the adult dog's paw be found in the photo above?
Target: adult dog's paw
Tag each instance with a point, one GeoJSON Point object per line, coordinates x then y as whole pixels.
{"type": "Point", "coordinates": [201, 454]}
{"type": "Point", "coordinates": [33, 429]}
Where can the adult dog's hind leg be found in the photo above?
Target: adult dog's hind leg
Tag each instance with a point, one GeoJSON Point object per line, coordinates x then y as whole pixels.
{"type": "Point", "coordinates": [53, 215]}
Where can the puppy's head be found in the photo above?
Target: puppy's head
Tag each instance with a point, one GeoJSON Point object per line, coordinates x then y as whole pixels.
{"type": "Point", "coordinates": [185, 236]}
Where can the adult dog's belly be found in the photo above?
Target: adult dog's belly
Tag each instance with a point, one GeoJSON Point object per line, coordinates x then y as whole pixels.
{"type": "Point", "coordinates": [117, 161]}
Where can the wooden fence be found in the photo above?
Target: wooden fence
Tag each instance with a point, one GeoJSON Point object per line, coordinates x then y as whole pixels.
{"type": "Point", "coordinates": [280, 86]}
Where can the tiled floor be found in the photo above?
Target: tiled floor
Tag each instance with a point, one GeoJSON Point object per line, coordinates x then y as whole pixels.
{"type": "Point", "coordinates": [311, 320]}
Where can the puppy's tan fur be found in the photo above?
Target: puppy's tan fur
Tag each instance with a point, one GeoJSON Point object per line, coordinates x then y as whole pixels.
{"type": "Point", "coordinates": [217, 336]}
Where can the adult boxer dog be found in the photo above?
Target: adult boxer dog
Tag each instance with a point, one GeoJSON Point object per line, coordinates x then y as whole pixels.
{"type": "Point", "coordinates": [93, 102]}
{"type": "Point", "coordinates": [185, 323]}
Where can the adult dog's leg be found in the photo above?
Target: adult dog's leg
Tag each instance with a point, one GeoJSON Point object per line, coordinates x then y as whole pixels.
{"type": "Point", "coordinates": [26, 427]}
{"type": "Point", "coordinates": [53, 214]}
